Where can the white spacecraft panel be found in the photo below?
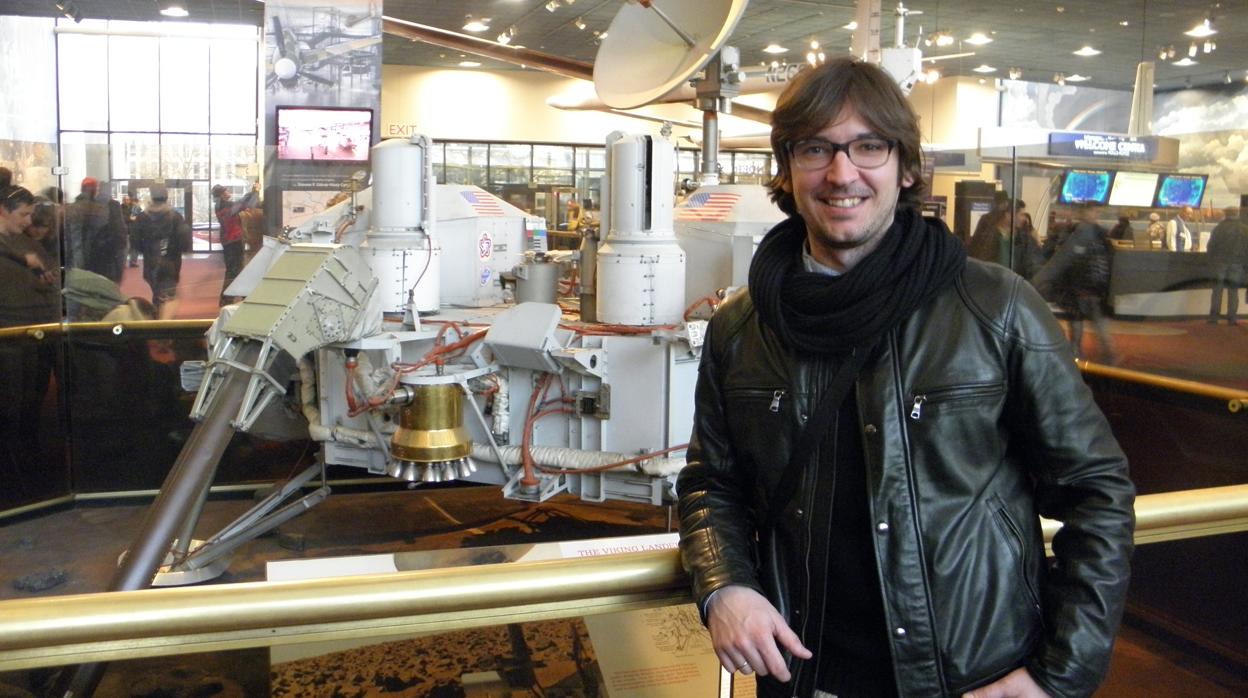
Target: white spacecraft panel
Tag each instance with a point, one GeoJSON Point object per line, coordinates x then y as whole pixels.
{"type": "Point", "coordinates": [718, 227]}
{"type": "Point", "coordinates": [481, 236]}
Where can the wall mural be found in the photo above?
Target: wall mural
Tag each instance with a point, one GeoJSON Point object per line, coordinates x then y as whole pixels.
{"type": "Point", "coordinates": [1210, 127]}
{"type": "Point", "coordinates": [1064, 107]}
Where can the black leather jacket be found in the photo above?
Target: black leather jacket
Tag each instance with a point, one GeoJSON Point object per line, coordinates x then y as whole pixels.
{"type": "Point", "coordinates": [974, 421]}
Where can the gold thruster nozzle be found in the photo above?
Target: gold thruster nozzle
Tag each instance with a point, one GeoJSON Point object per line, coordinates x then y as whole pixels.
{"type": "Point", "coordinates": [431, 427]}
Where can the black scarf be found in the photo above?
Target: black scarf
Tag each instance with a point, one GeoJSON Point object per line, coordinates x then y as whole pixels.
{"type": "Point", "coordinates": [823, 314]}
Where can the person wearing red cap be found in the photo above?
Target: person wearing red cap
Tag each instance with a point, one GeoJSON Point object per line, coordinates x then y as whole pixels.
{"type": "Point", "coordinates": [228, 214]}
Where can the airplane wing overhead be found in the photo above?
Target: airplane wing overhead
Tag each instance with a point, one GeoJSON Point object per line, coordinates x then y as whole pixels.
{"type": "Point", "coordinates": [321, 54]}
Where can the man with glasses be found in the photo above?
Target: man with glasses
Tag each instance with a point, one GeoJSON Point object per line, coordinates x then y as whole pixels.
{"type": "Point", "coordinates": [880, 424]}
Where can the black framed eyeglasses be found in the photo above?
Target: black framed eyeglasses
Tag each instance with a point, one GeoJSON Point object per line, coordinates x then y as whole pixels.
{"type": "Point", "coordinates": [867, 152]}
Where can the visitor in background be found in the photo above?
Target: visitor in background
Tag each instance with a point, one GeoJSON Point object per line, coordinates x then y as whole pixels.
{"type": "Point", "coordinates": [1077, 278]}
{"type": "Point", "coordinates": [1228, 254]}
{"type": "Point", "coordinates": [1123, 230]}
{"type": "Point", "coordinates": [229, 216]}
{"type": "Point", "coordinates": [1178, 233]}
{"type": "Point", "coordinates": [165, 237]}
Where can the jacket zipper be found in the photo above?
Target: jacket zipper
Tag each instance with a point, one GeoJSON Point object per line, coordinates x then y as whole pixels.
{"type": "Point", "coordinates": [962, 392]}
{"type": "Point", "coordinates": [775, 400]}
{"type": "Point", "coordinates": [938, 651]}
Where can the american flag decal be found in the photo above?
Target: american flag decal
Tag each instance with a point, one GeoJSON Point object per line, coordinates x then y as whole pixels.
{"type": "Point", "coordinates": [707, 206]}
{"type": "Point", "coordinates": [484, 204]}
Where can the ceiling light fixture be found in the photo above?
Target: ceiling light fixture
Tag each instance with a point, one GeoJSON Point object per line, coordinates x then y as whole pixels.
{"type": "Point", "coordinates": [1170, 51]}
{"type": "Point", "coordinates": [979, 39]}
{"type": "Point", "coordinates": [814, 45]}
{"type": "Point", "coordinates": [1228, 77]}
{"type": "Point", "coordinates": [469, 64]}
{"type": "Point", "coordinates": [1210, 46]}
{"type": "Point", "coordinates": [1192, 50]}
{"type": "Point", "coordinates": [944, 39]}
{"type": "Point", "coordinates": [984, 68]}
{"type": "Point", "coordinates": [1201, 30]}
{"type": "Point", "coordinates": [851, 26]}
{"type": "Point", "coordinates": [1059, 78]}
{"type": "Point", "coordinates": [1078, 78]}
{"type": "Point", "coordinates": [1087, 51]}
{"type": "Point", "coordinates": [504, 39]}
{"type": "Point", "coordinates": [579, 23]}
{"type": "Point", "coordinates": [476, 25]}
{"type": "Point", "coordinates": [1184, 62]}
{"type": "Point", "coordinates": [1161, 53]}
{"type": "Point", "coordinates": [774, 48]}
{"type": "Point", "coordinates": [174, 9]}
{"type": "Point", "coordinates": [552, 5]}
{"type": "Point", "coordinates": [1016, 73]}
{"type": "Point", "coordinates": [1124, 23]}
{"type": "Point", "coordinates": [812, 59]}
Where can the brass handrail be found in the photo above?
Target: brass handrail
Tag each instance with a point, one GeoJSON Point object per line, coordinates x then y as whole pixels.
{"type": "Point", "coordinates": [48, 330]}
{"type": "Point", "coordinates": [72, 629]}
{"type": "Point", "coordinates": [1236, 398]}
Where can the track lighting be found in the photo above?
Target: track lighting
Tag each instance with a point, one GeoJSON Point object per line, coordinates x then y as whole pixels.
{"type": "Point", "coordinates": [174, 9]}
{"type": "Point", "coordinates": [580, 23]}
{"type": "Point", "coordinates": [69, 10]}
{"type": "Point", "coordinates": [1201, 30]}
{"type": "Point", "coordinates": [476, 25]}
{"type": "Point", "coordinates": [1016, 73]}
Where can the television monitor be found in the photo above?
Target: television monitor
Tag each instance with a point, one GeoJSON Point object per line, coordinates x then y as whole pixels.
{"type": "Point", "coordinates": [1085, 187]}
{"type": "Point", "coordinates": [1179, 190]}
{"type": "Point", "coordinates": [324, 134]}
{"type": "Point", "coordinates": [1133, 189]}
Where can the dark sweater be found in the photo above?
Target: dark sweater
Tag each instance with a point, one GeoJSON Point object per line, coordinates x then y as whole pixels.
{"type": "Point", "coordinates": [853, 655]}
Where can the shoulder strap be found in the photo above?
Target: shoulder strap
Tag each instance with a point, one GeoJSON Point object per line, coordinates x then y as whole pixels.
{"type": "Point", "coordinates": [816, 427]}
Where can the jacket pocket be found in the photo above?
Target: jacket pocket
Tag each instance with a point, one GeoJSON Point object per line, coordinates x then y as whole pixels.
{"type": "Point", "coordinates": [759, 419]}
{"type": "Point", "coordinates": [1022, 553]}
{"type": "Point", "coordinates": [953, 397]}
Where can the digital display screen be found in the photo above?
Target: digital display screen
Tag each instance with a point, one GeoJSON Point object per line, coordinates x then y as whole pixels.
{"type": "Point", "coordinates": [323, 134]}
{"type": "Point", "coordinates": [1086, 187]}
{"type": "Point", "coordinates": [1179, 190]}
{"type": "Point", "coordinates": [1133, 189]}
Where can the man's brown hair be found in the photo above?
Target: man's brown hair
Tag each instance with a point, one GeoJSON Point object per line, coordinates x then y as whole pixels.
{"type": "Point", "coordinates": [816, 96]}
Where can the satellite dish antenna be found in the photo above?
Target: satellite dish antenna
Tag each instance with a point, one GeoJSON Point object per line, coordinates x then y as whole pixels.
{"type": "Point", "coordinates": [652, 46]}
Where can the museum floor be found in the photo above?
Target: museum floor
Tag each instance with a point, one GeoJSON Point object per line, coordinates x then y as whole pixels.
{"type": "Point", "coordinates": [83, 544]}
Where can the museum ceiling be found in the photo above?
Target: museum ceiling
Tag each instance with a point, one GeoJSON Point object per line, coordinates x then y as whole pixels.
{"type": "Point", "coordinates": [1038, 39]}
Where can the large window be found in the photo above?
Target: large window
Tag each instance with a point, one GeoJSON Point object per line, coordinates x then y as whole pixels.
{"type": "Point", "coordinates": [466, 163]}
{"type": "Point", "coordinates": [145, 102]}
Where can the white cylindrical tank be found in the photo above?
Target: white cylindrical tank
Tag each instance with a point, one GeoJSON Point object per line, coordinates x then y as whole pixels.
{"type": "Point", "coordinates": [400, 245]}
{"type": "Point", "coordinates": [400, 268]}
{"type": "Point", "coordinates": [398, 187]}
{"type": "Point", "coordinates": [641, 268]}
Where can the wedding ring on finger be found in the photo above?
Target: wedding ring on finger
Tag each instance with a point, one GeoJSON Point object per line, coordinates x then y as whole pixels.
{"type": "Point", "coordinates": [745, 668]}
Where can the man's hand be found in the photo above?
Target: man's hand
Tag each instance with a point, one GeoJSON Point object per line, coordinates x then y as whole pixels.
{"type": "Point", "coordinates": [1016, 684]}
{"type": "Point", "coordinates": [745, 629]}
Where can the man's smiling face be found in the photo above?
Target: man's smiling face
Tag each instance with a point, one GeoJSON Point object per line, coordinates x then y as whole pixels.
{"type": "Point", "coordinates": [847, 209]}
